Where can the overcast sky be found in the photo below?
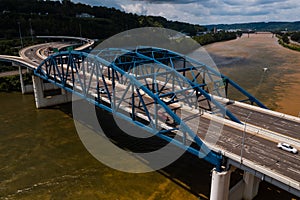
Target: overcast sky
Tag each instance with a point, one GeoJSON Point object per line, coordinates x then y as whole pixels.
{"type": "Point", "coordinates": [209, 11]}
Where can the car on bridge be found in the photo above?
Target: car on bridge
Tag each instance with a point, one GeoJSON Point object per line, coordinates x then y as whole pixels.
{"type": "Point", "coordinates": [287, 147]}
{"type": "Point", "coordinates": [102, 91]}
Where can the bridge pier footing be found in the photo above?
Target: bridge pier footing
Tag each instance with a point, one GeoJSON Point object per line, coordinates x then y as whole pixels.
{"type": "Point", "coordinates": [41, 100]}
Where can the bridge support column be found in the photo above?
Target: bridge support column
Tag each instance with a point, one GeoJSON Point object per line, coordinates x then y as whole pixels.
{"type": "Point", "coordinates": [21, 80]}
{"type": "Point", "coordinates": [246, 189]}
{"type": "Point", "coordinates": [42, 101]}
{"type": "Point", "coordinates": [220, 185]}
{"type": "Point", "coordinates": [251, 186]}
{"type": "Point", "coordinates": [24, 88]}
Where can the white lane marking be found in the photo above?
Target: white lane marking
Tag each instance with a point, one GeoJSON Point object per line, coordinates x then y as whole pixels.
{"type": "Point", "coordinates": [294, 170]}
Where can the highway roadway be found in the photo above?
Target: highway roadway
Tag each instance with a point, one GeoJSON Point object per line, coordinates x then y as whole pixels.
{"type": "Point", "coordinates": [32, 56]}
{"type": "Point", "coordinates": [278, 124]}
{"type": "Point", "coordinates": [259, 149]}
{"type": "Point", "coordinates": [37, 53]}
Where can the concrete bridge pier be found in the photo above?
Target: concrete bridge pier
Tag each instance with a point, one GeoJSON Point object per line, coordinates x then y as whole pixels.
{"type": "Point", "coordinates": [21, 80]}
{"type": "Point", "coordinates": [220, 185]}
{"type": "Point", "coordinates": [41, 100]}
{"type": "Point", "coordinates": [24, 88]}
{"type": "Point", "coordinates": [246, 189]}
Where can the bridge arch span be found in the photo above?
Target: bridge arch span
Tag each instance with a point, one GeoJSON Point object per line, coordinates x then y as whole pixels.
{"type": "Point", "coordinates": [147, 82]}
{"type": "Point", "coordinates": [104, 83]}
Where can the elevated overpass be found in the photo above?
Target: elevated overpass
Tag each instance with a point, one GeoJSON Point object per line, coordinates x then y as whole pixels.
{"type": "Point", "coordinates": [30, 57]}
{"type": "Point", "coordinates": [249, 135]}
{"type": "Point", "coordinates": [87, 42]}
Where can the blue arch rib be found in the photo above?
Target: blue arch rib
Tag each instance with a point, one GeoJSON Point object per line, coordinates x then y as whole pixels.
{"type": "Point", "coordinates": [206, 153]}
{"type": "Point", "coordinates": [234, 84]}
{"type": "Point", "coordinates": [223, 110]}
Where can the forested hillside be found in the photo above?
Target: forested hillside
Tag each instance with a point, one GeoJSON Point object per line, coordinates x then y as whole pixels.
{"type": "Point", "coordinates": [260, 26]}
{"type": "Point", "coordinates": [61, 18]}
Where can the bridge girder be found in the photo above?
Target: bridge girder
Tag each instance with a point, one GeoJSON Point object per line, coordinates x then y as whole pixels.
{"type": "Point", "coordinates": [145, 82]}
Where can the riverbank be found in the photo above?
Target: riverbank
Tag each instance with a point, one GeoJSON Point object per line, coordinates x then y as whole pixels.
{"type": "Point", "coordinates": [11, 82]}
{"type": "Point", "coordinates": [243, 60]}
{"type": "Point", "coordinates": [291, 45]}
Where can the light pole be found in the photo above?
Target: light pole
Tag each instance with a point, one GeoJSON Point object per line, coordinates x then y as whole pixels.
{"type": "Point", "coordinates": [20, 34]}
{"type": "Point", "coordinates": [243, 139]}
{"type": "Point", "coordinates": [80, 33]}
{"type": "Point", "coordinates": [80, 30]}
{"type": "Point", "coordinates": [31, 31]}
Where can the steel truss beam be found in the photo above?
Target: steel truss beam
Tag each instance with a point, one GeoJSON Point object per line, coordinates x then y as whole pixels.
{"type": "Point", "coordinates": [100, 82]}
{"type": "Point", "coordinates": [144, 82]}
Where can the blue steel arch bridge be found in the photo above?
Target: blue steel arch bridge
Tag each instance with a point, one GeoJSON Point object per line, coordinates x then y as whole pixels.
{"type": "Point", "coordinates": [149, 83]}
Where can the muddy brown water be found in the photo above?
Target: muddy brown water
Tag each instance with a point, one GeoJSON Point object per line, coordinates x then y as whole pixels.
{"type": "Point", "coordinates": [42, 157]}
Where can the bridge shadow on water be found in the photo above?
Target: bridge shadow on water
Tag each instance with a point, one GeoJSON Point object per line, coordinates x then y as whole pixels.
{"type": "Point", "coordinates": [188, 171]}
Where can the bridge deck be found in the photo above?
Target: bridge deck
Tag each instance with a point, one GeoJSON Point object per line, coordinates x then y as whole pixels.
{"type": "Point", "coordinates": [270, 122]}
{"type": "Point", "coordinates": [259, 149]}
{"type": "Point", "coordinates": [263, 152]}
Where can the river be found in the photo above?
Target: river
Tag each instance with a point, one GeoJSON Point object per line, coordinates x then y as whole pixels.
{"type": "Point", "coordinates": [243, 60]}
{"type": "Point", "coordinates": [42, 156]}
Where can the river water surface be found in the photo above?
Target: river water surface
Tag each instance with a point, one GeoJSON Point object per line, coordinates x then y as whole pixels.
{"type": "Point", "coordinates": [42, 157]}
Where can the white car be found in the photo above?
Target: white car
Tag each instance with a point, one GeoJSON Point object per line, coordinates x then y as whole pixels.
{"type": "Point", "coordinates": [287, 147]}
{"type": "Point", "coordinates": [102, 91]}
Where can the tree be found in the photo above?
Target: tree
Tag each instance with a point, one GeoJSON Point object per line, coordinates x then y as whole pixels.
{"type": "Point", "coordinates": [295, 36]}
{"type": "Point", "coordinates": [285, 39]}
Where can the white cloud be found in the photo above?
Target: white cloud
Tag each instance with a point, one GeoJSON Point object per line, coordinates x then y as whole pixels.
{"type": "Point", "coordinates": [137, 8]}
{"type": "Point", "coordinates": [106, 3]}
{"type": "Point", "coordinates": [209, 11]}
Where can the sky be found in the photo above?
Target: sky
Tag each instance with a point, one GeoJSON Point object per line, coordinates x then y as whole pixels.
{"type": "Point", "coordinates": [206, 12]}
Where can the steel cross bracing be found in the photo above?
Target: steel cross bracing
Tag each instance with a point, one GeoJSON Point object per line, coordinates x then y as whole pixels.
{"type": "Point", "coordinates": [214, 83]}
{"type": "Point", "coordinates": [149, 83]}
{"type": "Point", "coordinates": [196, 70]}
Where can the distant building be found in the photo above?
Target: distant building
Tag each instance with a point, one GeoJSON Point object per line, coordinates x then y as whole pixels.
{"type": "Point", "coordinates": [5, 11]}
{"type": "Point", "coordinates": [234, 30]}
{"type": "Point", "coordinates": [215, 30]}
{"type": "Point", "coordinates": [201, 33]}
{"type": "Point", "coordinates": [179, 36]}
{"type": "Point", "coordinates": [85, 15]}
